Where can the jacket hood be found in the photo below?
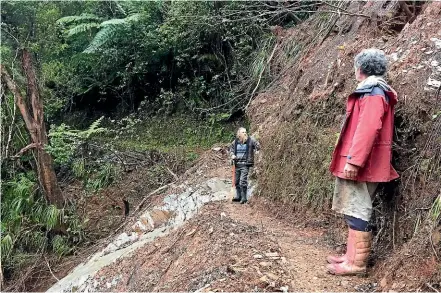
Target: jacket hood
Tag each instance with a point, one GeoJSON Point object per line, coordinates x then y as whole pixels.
{"type": "Point", "coordinates": [371, 82]}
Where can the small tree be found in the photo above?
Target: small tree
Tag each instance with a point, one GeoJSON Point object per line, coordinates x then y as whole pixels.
{"type": "Point", "coordinates": [31, 110]}
{"type": "Point", "coordinates": [19, 33]}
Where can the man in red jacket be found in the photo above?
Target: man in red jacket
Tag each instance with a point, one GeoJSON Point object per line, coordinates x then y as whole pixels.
{"type": "Point", "coordinates": [362, 158]}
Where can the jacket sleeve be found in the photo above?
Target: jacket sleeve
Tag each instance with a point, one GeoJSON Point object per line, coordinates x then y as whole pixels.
{"type": "Point", "coordinates": [232, 148]}
{"type": "Point", "coordinates": [256, 145]}
{"type": "Point", "coordinates": [370, 122]}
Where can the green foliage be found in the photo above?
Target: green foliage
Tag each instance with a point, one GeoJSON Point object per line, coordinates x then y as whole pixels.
{"type": "Point", "coordinates": [65, 141]}
{"type": "Point", "coordinates": [104, 176]}
{"type": "Point", "coordinates": [168, 133]}
{"type": "Point", "coordinates": [27, 220]}
{"type": "Point", "coordinates": [60, 246]}
{"type": "Point", "coordinates": [435, 211]}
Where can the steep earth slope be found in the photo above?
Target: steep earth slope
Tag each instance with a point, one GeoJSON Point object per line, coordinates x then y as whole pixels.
{"type": "Point", "coordinates": [299, 115]}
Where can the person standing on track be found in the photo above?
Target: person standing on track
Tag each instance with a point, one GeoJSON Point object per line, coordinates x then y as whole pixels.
{"type": "Point", "coordinates": [362, 158]}
{"type": "Point", "coordinates": [242, 153]}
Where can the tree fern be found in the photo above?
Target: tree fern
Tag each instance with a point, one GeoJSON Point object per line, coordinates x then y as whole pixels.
{"type": "Point", "coordinates": [81, 28]}
{"type": "Point", "coordinates": [78, 18]}
{"type": "Point", "coordinates": [109, 29]}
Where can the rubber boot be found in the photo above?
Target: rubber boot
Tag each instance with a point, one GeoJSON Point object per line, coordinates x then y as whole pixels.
{"type": "Point", "coordinates": [341, 258]}
{"type": "Point", "coordinates": [238, 196]}
{"type": "Point", "coordinates": [244, 195]}
{"type": "Point", "coordinates": [356, 256]}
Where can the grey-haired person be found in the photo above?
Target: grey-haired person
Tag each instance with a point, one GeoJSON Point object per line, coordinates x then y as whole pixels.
{"type": "Point", "coordinates": [362, 158]}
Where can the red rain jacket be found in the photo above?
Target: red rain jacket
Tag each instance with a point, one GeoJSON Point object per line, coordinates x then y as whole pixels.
{"type": "Point", "coordinates": [366, 136]}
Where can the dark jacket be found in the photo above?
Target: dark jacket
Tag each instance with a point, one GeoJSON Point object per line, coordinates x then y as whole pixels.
{"type": "Point", "coordinates": [252, 146]}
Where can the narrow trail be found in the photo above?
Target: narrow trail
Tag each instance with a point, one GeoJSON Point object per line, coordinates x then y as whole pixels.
{"type": "Point", "coordinates": [195, 239]}
{"type": "Point", "coordinates": [230, 247]}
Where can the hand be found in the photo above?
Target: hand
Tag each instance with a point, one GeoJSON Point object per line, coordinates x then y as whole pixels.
{"type": "Point", "coordinates": [351, 171]}
{"type": "Point", "coordinates": [233, 157]}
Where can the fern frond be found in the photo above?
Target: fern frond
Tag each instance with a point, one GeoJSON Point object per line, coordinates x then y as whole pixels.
{"type": "Point", "coordinates": [102, 37]}
{"type": "Point", "coordinates": [115, 21]}
{"type": "Point", "coordinates": [78, 18]}
{"type": "Point", "coordinates": [6, 245]}
{"type": "Point", "coordinates": [81, 28]}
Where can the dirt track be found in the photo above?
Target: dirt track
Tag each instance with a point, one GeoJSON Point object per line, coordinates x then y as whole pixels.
{"type": "Point", "coordinates": [231, 247]}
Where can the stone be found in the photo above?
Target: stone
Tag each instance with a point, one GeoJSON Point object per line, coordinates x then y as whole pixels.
{"type": "Point", "coordinates": [265, 264]}
{"type": "Point", "coordinates": [272, 276]}
{"type": "Point", "coordinates": [216, 149]}
{"type": "Point", "coordinates": [272, 255]}
{"type": "Point", "coordinates": [384, 282]}
{"type": "Point", "coordinates": [437, 42]}
{"type": "Point", "coordinates": [264, 279]}
{"type": "Point", "coordinates": [394, 56]}
{"type": "Point", "coordinates": [257, 256]}
{"type": "Point", "coordinates": [344, 283]}
{"type": "Point", "coordinates": [433, 82]}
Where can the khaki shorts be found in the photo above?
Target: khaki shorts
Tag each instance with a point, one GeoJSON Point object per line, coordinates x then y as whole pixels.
{"type": "Point", "coordinates": [354, 198]}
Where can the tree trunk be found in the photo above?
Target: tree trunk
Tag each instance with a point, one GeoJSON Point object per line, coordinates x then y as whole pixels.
{"type": "Point", "coordinates": [36, 127]}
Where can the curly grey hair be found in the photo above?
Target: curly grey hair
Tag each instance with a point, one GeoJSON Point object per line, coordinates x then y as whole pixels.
{"type": "Point", "coordinates": [371, 62]}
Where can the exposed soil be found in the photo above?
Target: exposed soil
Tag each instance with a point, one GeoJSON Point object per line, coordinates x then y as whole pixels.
{"type": "Point", "coordinates": [231, 247]}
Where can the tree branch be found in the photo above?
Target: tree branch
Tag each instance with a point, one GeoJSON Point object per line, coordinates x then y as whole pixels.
{"type": "Point", "coordinates": [33, 94]}
{"type": "Point", "coordinates": [19, 100]}
{"type": "Point", "coordinates": [260, 75]}
{"type": "Point", "coordinates": [26, 148]}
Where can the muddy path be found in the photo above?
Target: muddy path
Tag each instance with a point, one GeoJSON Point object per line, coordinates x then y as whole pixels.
{"type": "Point", "coordinates": [197, 240]}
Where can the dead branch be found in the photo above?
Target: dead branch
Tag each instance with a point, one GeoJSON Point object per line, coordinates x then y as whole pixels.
{"type": "Point", "coordinates": [173, 174]}
{"type": "Point", "coordinates": [29, 121]}
{"type": "Point", "coordinates": [26, 148]}
{"type": "Point", "coordinates": [260, 75]}
{"type": "Point", "coordinates": [410, 15]}
{"type": "Point", "coordinates": [150, 194]}
{"type": "Point", "coordinates": [50, 270]}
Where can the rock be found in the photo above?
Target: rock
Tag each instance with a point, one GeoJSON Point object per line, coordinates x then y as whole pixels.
{"type": "Point", "coordinates": [108, 285]}
{"type": "Point", "coordinates": [384, 282]}
{"type": "Point", "coordinates": [437, 42]}
{"type": "Point", "coordinates": [272, 276]}
{"type": "Point", "coordinates": [110, 248]}
{"type": "Point", "coordinates": [190, 233]}
{"type": "Point", "coordinates": [216, 149]}
{"type": "Point", "coordinates": [257, 256]}
{"type": "Point", "coordinates": [433, 82]}
{"type": "Point", "coordinates": [264, 279]}
{"type": "Point", "coordinates": [344, 283]}
{"type": "Point", "coordinates": [284, 289]}
{"type": "Point", "coordinates": [436, 237]}
{"type": "Point", "coordinates": [265, 264]}
{"type": "Point", "coordinates": [428, 52]}
{"type": "Point", "coordinates": [394, 56]}
{"type": "Point", "coordinates": [272, 255]}
{"type": "Point", "coordinates": [434, 63]}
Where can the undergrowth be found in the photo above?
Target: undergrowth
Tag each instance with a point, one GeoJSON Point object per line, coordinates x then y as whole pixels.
{"type": "Point", "coordinates": [177, 135]}
{"type": "Point", "coordinates": [300, 152]}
